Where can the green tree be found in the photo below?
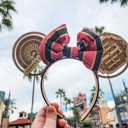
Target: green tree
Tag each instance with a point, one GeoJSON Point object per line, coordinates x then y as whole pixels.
{"type": "Point", "coordinates": [76, 113]}
{"type": "Point", "coordinates": [29, 116]}
{"type": "Point", "coordinates": [93, 93]}
{"type": "Point", "coordinates": [11, 110]}
{"type": "Point", "coordinates": [67, 101]}
{"type": "Point", "coordinates": [38, 69]}
{"type": "Point", "coordinates": [122, 2]}
{"type": "Point", "coordinates": [60, 93]}
{"type": "Point", "coordinates": [99, 30]}
{"type": "Point", "coordinates": [86, 123]}
{"type": "Point", "coordinates": [6, 7]}
{"type": "Point", "coordinates": [97, 102]}
{"type": "Point", "coordinates": [92, 113]}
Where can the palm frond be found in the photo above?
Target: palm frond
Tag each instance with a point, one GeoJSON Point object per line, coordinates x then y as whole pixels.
{"type": "Point", "coordinates": [6, 7]}
{"type": "Point", "coordinates": [124, 3]}
{"type": "Point", "coordinates": [7, 24]}
{"type": "Point", "coordinates": [103, 1]}
{"type": "Point", "coordinates": [28, 77]}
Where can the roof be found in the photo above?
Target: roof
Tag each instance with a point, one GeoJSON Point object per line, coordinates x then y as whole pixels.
{"type": "Point", "coordinates": [110, 109]}
{"type": "Point", "coordinates": [22, 112]}
{"type": "Point", "coordinates": [20, 121]}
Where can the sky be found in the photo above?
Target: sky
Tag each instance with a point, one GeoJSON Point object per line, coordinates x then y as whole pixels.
{"type": "Point", "coordinates": [71, 75]}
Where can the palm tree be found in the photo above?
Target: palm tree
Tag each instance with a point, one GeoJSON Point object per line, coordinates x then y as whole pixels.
{"type": "Point", "coordinates": [122, 2]}
{"type": "Point", "coordinates": [67, 101]}
{"type": "Point", "coordinates": [60, 93]}
{"type": "Point", "coordinates": [99, 30]}
{"type": "Point", "coordinates": [97, 102]}
{"type": "Point", "coordinates": [38, 69]}
{"type": "Point", "coordinates": [6, 6]}
{"type": "Point", "coordinates": [76, 114]}
{"type": "Point", "coordinates": [93, 93]}
{"type": "Point", "coordinates": [12, 103]}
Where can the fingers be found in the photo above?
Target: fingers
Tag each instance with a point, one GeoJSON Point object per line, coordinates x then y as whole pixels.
{"type": "Point", "coordinates": [67, 126]}
{"type": "Point", "coordinates": [57, 108]}
{"type": "Point", "coordinates": [45, 115]}
{"type": "Point", "coordinates": [51, 117]}
{"type": "Point", "coordinates": [62, 123]}
{"type": "Point", "coordinates": [55, 105]}
{"type": "Point", "coordinates": [41, 112]}
{"type": "Point", "coordinates": [40, 118]}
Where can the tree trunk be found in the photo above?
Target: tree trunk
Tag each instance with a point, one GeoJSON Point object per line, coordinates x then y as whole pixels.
{"type": "Point", "coordinates": [31, 117]}
{"type": "Point", "coordinates": [60, 102]}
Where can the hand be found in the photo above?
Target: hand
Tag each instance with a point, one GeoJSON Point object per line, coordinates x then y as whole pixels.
{"type": "Point", "coordinates": [47, 118]}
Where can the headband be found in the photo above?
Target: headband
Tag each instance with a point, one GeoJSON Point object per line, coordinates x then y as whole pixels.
{"type": "Point", "coordinates": [89, 50]}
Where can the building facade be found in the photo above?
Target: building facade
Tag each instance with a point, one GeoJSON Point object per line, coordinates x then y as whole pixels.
{"type": "Point", "coordinates": [122, 105]}
{"type": "Point", "coordinates": [1, 110]}
{"type": "Point", "coordinates": [80, 102]}
{"type": "Point", "coordinates": [107, 113]}
{"type": "Point", "coordinates": [2, 97]}
{"type": "Point", "coordinates": [21, 122]}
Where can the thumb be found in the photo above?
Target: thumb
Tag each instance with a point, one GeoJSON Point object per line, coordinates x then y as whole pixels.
{"type": "Point", "coordinates": [51, 117]}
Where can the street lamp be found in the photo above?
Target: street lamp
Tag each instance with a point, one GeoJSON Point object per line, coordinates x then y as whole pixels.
{"type": "Point", "coordinates": [11, 108]}
{"type": "Point", "coordinates": [3, 106]}
{"type": "Point", "coordinates": [8, 105]}
{"type": "Point", "coordinates": [125, 97]}
{"type": "Point", "coordinates": [116, 107]}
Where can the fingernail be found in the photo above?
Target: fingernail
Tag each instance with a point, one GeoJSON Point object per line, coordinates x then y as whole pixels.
{"type": "Point", "coordinates": [51, 113]}
{"type": "Point", "coordinates": [51, 109]}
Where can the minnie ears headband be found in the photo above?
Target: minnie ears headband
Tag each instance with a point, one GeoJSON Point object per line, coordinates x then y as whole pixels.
{"type": "Point", "coordinates": [89, 50]}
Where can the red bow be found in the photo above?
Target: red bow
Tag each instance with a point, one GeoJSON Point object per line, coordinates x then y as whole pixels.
{"type": "Point", "coordinates": [89, 48]}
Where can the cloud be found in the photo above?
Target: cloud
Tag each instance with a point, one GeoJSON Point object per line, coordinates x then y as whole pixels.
{"type": "Point", "coordinates": [111, 104]}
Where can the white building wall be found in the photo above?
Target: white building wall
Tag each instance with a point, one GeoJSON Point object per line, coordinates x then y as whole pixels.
{"type": "Point", "coordinates": [1, 109]}
{"type": "Point", "coordinates": [68, 114]}
{"type": "Point", "coordinates": [115, 116]}
{"type": "Point", "coordinates": [111, 115]}
{"type": "Point", "coordinates": [12, 127]}
{"type": "Point", "coordinates": [27, 126]}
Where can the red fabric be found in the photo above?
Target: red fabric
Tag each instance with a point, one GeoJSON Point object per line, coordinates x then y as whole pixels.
{"type": "Point", "coordinates": [74, 52]}
{"type": "Point", "coordinates": [89, 59]}
{"type": "Point", "coordinates": [89, 42]}
{"type": "Point", "coordinates": [19, 121]}
{"type": "Point", "coordinates": [62, 40]}
{"type": "Point", "coordinates": [89, 50]}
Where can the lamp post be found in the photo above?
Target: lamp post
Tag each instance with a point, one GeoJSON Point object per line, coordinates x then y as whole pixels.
{"type": "Point", "coordinates": [7, 105]}
{"type": "Point", "coordinates": [117, 111]}
{"type": "Point", "coordinates": [125, 97]}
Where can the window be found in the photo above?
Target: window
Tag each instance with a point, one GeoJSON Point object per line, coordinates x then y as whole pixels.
{"type": "Point", "coordinates": [122, 116]}
{"type": "Point", "coordinates": [127, 108]}
{"type": "Point", "coordinates": [126, 115]}
{"type": "Point", "coordinates": [21, 114]}
{"type": "Point", "coordinates": [82, 107]}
